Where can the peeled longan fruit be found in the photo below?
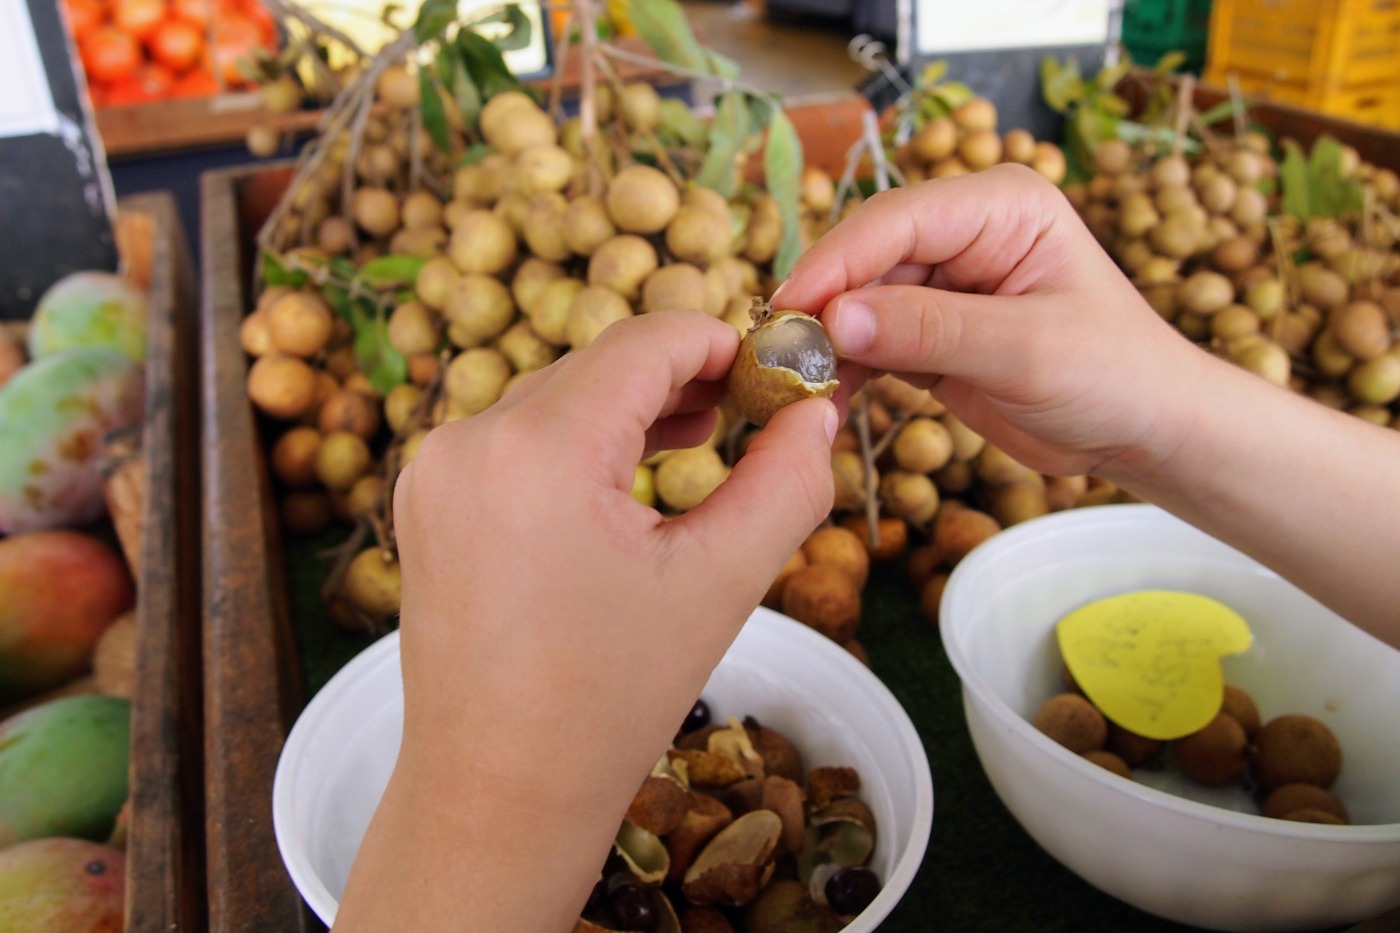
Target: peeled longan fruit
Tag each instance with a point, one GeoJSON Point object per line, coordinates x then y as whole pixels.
{"type": "Point", "coordinates": [475, 378]}
{"type": "Point", "coordinates": [1290, 798]}
{"type": "Point", "coordinates": [1295, 749]}
{"type": "Point", "coordinates": [282, 386]}
{"type": "Point", "coordinates": [891, 535]}
{"type": "Point", "coordinates": [675, 287]}
{"type": "Point", "coordinates": [1072, 721]}
{"type": "Point", "coordinates": [825, 598]}
{"type": "Point", "coordinates": [1240, 706]}
{"type": "Point", "coordinates": [293, 457]}
{"type": "Point", "coordinates": [642, 199]}
{"type": "Point", "coordinates": [1109, 762]}
{"type": "Point", "coordinates": [687, 477]}
{"type": "Point", "coordinates": [623, 264]}
{"type": "Point", "coordinates": [957, 532]}
{"type": "Point", "coordinates": [1214, 755]}
{"type": "Point", "coordinates": [482, 243]}
{"type": "Point", "coordinates": [341, 459]}
{"type": "Point", "coordinates": [840, 548]}
{"type": "Point", "coordinates": [773, 599]}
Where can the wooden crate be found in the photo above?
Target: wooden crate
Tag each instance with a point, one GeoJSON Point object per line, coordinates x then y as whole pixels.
{"type": "Point", "coordinates": [165, 848]}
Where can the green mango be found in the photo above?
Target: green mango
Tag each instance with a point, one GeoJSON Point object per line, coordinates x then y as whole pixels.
{"type": "Point", "coordinates": [63, 768]}
{"type": "Point", "coordinates": [53, 415]}
{"type": "Point", "coordinates": [90, 309]}
{"type": "Point", "coordinates": [68, 885]}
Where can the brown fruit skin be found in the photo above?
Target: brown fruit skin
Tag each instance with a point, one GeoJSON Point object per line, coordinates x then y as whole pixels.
{"type": "Point", "coordinates": [1109, 762]}
{"type": "Point", "coordinates": [705, 920]}
{"type": "Point", "coordinates": [1135, 750]}
{"type": "Point", "coordinates": [282, 386]}
{"type": "Point", "coordinates": [1290, 798]}
{"type": "Point", "coordinates": [1293, 749]}
{"type": "Point", "coordinates": [823, 597]}
{"type": "Point", "coordinates": [773, 599]}
{"type": "Point", "coordinates": [959, 531]}
{"type": "Point", "coordinates": [1315, 816]}
{"type": "Point", "coordinates": [842, 549]}
{"type": "Point", "coordinates": [891, 535]}
{"type": "Point", "coordinates": [931, 597]}
{"type": "Point", "coordinates": [1073, 722]}
{"type": "Point", "coordinates": [1214, 755]}
{"type": "Point", "coordinates": [1240, 706]}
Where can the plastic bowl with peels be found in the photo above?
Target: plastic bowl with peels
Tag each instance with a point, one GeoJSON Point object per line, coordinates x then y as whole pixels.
{"type": "Point", "coordinates": [1196, 855]}
{"type": "Point", "coordinates": [339, 755]}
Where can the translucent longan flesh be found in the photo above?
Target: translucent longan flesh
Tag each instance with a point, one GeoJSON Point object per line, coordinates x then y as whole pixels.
{"type": "Point", "coordinates": [799, 344]}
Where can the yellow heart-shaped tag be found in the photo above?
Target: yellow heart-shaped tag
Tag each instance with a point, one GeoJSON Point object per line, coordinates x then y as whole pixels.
{"type": "Point", "coordinates": [1150, 660]}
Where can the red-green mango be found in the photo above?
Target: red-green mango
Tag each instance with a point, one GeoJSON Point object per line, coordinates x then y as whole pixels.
{"type": "Point", "coordinates": [59, 591]}
{"type": "Point", "coordinates": [62, 886]}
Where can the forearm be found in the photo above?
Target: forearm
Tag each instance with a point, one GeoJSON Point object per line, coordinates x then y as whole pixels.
{"type": "Point", "coordinates": [448, 858]}
{"type": "Point", "coordinates": [1308, 491]}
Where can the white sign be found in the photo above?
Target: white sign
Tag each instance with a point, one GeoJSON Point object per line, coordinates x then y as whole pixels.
{"type": "Point", "coordinates": [30, 112]}
{"type": "Point", "coordinates": [979, 25]}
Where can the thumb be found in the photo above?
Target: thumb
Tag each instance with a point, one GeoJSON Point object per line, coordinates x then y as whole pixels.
{"type": "Point", "coordinates": [779, 491]}
{"type": "Point", "coordinates": [982, 339]}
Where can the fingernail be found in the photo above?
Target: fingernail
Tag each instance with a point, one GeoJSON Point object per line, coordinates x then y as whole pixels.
{"type": "Point", "coordinates": [832, 422]}
{"type": "Point", "coordinates": [851, 327]}
{"type": "Point", "coordinates": [778, 291]}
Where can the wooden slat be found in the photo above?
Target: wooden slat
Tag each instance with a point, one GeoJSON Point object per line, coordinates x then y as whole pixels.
{"type": "Point", "coordinates": [251, 683]}
{"type": "Point", "coordinates": [165, 881]}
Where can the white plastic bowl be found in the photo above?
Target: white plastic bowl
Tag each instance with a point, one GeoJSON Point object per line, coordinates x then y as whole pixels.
{"type": "Point", "coordinates": [338, 758]}
{"type": "Point", "coordinates": [1177, 850]}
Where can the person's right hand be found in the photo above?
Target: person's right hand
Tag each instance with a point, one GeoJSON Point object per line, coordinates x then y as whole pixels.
{"type": "Point", "coordinates": [990, 290]}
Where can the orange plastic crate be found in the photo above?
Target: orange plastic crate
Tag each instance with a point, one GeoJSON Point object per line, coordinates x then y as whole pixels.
{"type": "Point", "coordinates": [1372, 104]}
{"type": "Point", "coordinates": [1320, 46]}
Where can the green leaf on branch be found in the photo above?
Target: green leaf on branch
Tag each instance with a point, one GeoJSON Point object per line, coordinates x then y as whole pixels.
{"type": "Point", "coordinates": [679, 120]}
{"type": "Point", "coordinates": [1225, 110]}
{"type": "Point", "coordinates": [782, 171]}
{"type": "Point", "coordinates": [385, 272]}
{"type": "Point", "coordinates": [384, 366]}
{"type": "Point", "coordinates": [1061, 84]}
{"type": "Point", "coordinates": [1313, 186]}
{"type": "Point", "coordinates": [434, 113]}
{"type": "Point", "coordinates": [434, 16]}
{"type": "Point", "coordinates": [274, 273]}
{"type": "Point", "coordinates": [729, 131]}
{"type": "Point", "coordinates": [520, 32]}
{"type": "Point", "coordinates": [488, 69]}
{"type": "Point", "coordinates": [475, 153]}
{"type": "Point", "coordinates": [663, 25]}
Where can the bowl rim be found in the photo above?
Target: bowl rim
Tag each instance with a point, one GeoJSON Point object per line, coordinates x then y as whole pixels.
{"type": "Point", "coordinates": [296, 857]}
{"type": "Point", "coordinates": [975, 687]}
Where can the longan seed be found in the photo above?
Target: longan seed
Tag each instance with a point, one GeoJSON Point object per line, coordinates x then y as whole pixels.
{"type": "Point", "coordinates": [1295, 748]}
{"type": "Point", "coordinates": [1240, 706]}
{"type": "Point", "coordinates": [1072, 721]}
{"type": "Point", "coordinates": [1109, 762]}
{"type": "Point", "coordinates": [1215, 754]}
{"type": "Point", "coordinates": [1289, 798]}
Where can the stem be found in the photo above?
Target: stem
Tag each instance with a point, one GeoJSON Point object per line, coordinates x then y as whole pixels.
{"type": "Point", "coordinates": [662, 156]}
{"type": "Point", "coordinates": [415, 149]}
{"type": "Point", "coordinates": [1184, 108]}
{"type": "Point", "coordinates": [872, 501]}
{"type": "Point", "coordinates": [651, 61]}
{"type": "Point", "coordinates": [561, 58]}
{"type": "Point", "coordinates": [588, 94]}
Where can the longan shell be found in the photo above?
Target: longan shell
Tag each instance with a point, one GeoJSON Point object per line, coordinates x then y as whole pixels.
{"type": "Point", "coordinates": [825, 598]}
{"type": "Point", "coordinates": [1240, 706]}
{"type": "Point", "coordinates": [1109, 762]}
{"type": "Point", "coordinates": [841, 548]}
{"type": "Point", "coordinates": [958, 531]}
{"type": "Point", "coordinates": [1072, 721]}
{"type": "Point", "coordinates": [1289, 798]}
{"type": "Point", "coordinates": [891, 535]}
{"type": "Point", "coordinates": [1295, 748]}
{"type": "Point", "coordinates": [773, 599]}
{"type": "Point", "coordinates": [1135, 750]}
{"type": "Point", "coordinates": [1214, 755]}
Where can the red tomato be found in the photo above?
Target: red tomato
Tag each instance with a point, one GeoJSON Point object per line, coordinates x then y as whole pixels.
{"type": "Point", "coordinates": [192, 11]}
{"type": "Point", "coordinates": [109, 54]}
{"type": "Point", "coordinates": [148, 83]}
{"type": "Point", "coordinates": [235, 39]}
{"type": "Point", "coordinates": [83, 17]}
{"type": "Point", "coordinates": [176, 44]}
{"type": "Point", "coordinates": [260, 17]}
{"type": "Point", "coordinates": [139, 18]}
{"type": "Point", "coordinates": [197, 82]}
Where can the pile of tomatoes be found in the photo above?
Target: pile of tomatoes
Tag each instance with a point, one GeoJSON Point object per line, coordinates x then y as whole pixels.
{"type": "Point", "coordinates": [136, 51]}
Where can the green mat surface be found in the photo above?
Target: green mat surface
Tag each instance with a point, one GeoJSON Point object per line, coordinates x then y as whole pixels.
{"type": "Point", "coordinates": [981, 874]}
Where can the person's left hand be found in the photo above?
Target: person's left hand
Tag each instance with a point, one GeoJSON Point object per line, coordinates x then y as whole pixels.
{"type": "Point", "coordinates": [555, 631]}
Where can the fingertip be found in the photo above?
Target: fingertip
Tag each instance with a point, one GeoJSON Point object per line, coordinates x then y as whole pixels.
{"type": "Point", "coordinates": [850, 323]}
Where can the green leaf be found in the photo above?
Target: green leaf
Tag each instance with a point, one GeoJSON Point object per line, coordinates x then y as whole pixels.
{"type": "Point", "coordinates": [1333, 195]}
{"type": "Point", "coordinates": [520, 30]}
{"type": "Point", "coordinates": [663, 25]}
{"type": "Point", "coordinates": [434, 16]}
{"type": "Point", "coordinates": [1296, 197]}
{"type": "Point", "coordinates": [933, 73]}
{"type": "Point", "coordinates": [465, 92]}
{"type": "Point", "coordinates": [1225, 110]}
{"type": "Point", "coordinates": [274, 273]}
{"type": "Point", "coordinates": [385, 367]}
{"type": "Point", "coordinates": [484, 63]}
{"type": "Point", "coordinates": [1169, 63]}
{"type": "Point", "coordinates": [390, 271]}
{"type": "Point", "coordinates": [722, 65]}
{"type": "Point", "coordinates": [681, 122]}
{"type": "Point", "coordinates": [1060, 85]}
{"type": "Point", "coordinates": [728, 132]}
{"type": "Point", "coordinates": [782, 171]}
{"type": "Point", "coordinates": [434, 114]}
{"type": "Point", "coordinates": [339, 300]}
{"type": "Point", "coordinates": [475, 153]}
